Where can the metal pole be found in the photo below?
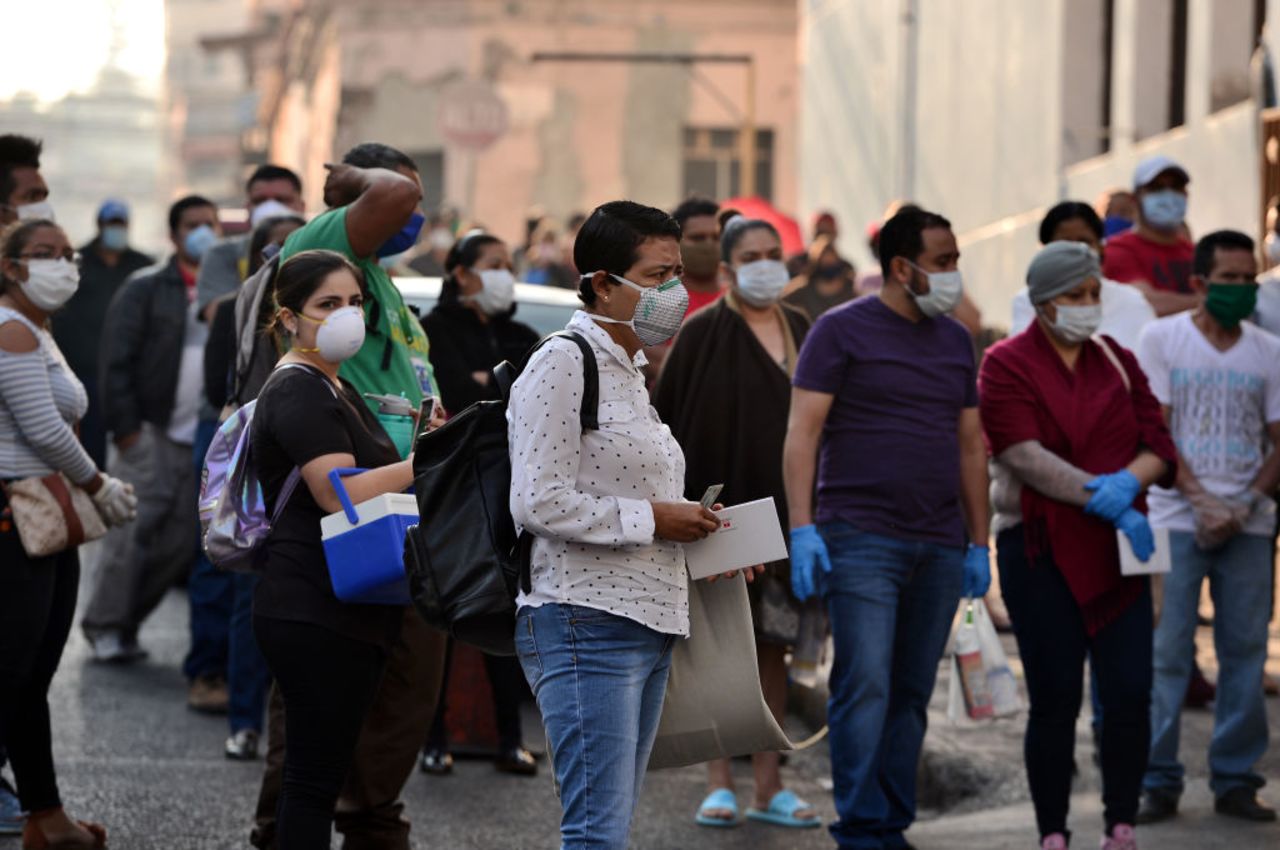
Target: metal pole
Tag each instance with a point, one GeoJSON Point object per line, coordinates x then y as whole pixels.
{"type": "Point", "coordinates": [747, 146]}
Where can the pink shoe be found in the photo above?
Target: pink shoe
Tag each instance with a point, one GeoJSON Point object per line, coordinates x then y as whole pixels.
{"type": "Point", "coordinates": [1055, 841]}
{"type": "Point", "coordinates": [1122, 838]}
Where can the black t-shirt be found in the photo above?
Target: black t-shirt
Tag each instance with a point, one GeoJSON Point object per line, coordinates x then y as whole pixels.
{"type": "Point", "coordinates": [299, 417]}
{"type": "Point", "coordinates": [461, 344]}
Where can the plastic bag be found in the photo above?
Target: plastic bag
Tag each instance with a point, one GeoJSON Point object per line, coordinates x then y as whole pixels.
{"type": "Point", "coordinates": [998, 687]}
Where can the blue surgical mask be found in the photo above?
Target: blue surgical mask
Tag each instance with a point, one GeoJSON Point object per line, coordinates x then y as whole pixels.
{"type": "Point", "coordinates": [198, 242]}
{"type": "Point", "coordinates": [1113, 224]}
{"type": "Point", "coordinates": [405, 239]}
{"type": "Point", "coordinates": [115, 237]}
{"type": "Point", "coordinates": [1165, 209]}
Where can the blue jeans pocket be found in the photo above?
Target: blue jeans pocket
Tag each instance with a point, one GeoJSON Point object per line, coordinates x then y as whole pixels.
{"type": "Point", "coordinates": [527, 648]}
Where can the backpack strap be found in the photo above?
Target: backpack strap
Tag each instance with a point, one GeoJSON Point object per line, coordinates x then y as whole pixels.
{"type": "Point", "coordinates": [1115, 361]}
{"type": "Point", "coordinates": [506, 373]}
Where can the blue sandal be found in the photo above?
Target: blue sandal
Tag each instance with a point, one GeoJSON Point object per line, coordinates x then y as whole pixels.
{"type": "Point", "coordinates": [721, 798]}
{"type": "Point", "coordinates": [782, 812]}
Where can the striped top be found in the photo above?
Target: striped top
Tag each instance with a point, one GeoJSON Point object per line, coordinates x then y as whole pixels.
{"type": "Point", "coordinates": [40, 400]}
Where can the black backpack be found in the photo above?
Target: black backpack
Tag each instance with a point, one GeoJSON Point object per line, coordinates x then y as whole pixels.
{"type": "Point", "coordinates": [463, 559]}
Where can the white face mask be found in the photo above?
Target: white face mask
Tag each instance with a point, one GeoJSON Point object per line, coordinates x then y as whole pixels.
{"type": "Point", "coordinates": [340, 335]}
{"type": "Point", "coordinates": [40, 209]}
{"type": "Point", "coordinates": [50, 283]}
{"type": "Point", "coordinates": [1074, 325]}
{"type": "Point", "coordinates": [945, 289]}
{"type": "Point", "coordinates": [497, 291]}
{"type": "Point", "coordinates": [760, 283]}
{"type": "Point", "coordinates": [1164, 210]}
{"type": "Point", "coordinates": [659, 312]}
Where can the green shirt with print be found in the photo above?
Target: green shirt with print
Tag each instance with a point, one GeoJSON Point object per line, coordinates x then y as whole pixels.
{"type": "Point", "coordinates": [394, 358]}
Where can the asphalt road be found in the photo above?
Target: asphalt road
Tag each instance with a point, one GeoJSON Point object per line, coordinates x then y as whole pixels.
{"type": "Point", "coordinates": [132, 756]}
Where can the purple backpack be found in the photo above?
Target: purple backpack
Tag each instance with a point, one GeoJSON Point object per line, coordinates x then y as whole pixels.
{"type": "Point", "coordinates": [233, 513]}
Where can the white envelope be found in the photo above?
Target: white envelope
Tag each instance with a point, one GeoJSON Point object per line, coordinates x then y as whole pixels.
{"type": "Point", "coordinates": [1158, 563]}
{"type": "Point", "coordinates": [749, 534]}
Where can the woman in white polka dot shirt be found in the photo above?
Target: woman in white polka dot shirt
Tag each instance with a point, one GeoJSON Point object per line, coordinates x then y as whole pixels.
{"type": "Point", "coordinates": [609, 588]}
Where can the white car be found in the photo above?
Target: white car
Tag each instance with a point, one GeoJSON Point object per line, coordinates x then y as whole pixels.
{"type": "Point", "coordinates": [546, 309]}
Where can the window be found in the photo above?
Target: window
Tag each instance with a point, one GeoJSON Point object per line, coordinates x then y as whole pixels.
{"type": "Point", "coordinates": [1086, 80]}
{"type": "Point", "coordinates": [713, 162]}
{"type": "Point", "coordinates": [1160, 75]}
{"type": "Point", "coordinates": [1237, 26]}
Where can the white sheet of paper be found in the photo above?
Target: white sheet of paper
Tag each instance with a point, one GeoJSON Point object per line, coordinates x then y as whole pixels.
{"type": "Point", "coordinates": [749, 534]}
{"type": "Point", "coordinates": [1158, 563]}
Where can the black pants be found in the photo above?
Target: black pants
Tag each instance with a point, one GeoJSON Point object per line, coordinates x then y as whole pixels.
{"type": "Point", "coordinates": [1053, 644]}
{"type": "Point", "coordinates": [506, 680]}
{"type": "Point", "coordinates": [37, 605]}
{"type": "Point", "coordinates": [328, 682]}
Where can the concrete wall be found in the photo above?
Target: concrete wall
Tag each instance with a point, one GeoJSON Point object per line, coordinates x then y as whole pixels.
{"type": "Point", "coordinates": [1007, 98]}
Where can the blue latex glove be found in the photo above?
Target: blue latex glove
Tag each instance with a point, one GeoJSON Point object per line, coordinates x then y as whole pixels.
{"type": "Point", "coordinates": [808, 550]}
{"type": "Point", "coordinates": [1135, 527]}
{"type": "Point", "coordinates": [1112, 495]}
{"type": "Point", "coordinates": [977, 571]}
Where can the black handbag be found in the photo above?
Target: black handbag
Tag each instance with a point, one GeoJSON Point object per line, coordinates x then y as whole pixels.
{"type": "Point", "coordinates": [463, 559]}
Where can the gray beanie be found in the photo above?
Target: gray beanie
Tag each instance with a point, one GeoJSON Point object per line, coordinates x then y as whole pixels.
{"type": "Point", "coordinates": [1060, 267]}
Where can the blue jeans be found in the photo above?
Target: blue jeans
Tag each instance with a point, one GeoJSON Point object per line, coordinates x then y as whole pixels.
{"type": "Point", "coordinates": [248, 677]}
{"type": "Point", "coordinates": [1239, 576]}
{"type": "Point", "coordinates": [891, 604]}
{"type": "Point", "coordinates": [208, 592]}
{"type": "Point", "coordinates": [600, 681]}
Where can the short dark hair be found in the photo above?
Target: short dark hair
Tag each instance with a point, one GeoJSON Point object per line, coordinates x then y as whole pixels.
{"type": "Point", "coordinates": [1069, 211]}
{"type": "Point", "coordinates": [182, 205]}
{"type": "Point", "coordinates": [610, 237]}
{"type": "Point", "coordinates": [378, 155]}
{"type": "Point", "coordinates": [1209, 245]}
{"type": "Point", "coordinates": [902, 235]}
{"type": "Point", "coordinates": [273, 172]}
{"type": "Point", "coordinates": [736, 228]}
{"type": "Point", "coordinates": [463, 255]}
{"type": "Point", "coordinates": [300, 276]}
{"type": "Point", "coordinates": [16, 152]}
{"type": "Point", "coordinates": [694, 207]}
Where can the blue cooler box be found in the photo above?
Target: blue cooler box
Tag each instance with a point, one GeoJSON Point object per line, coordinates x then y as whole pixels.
{"type": "Point", "coordinates": [364, 545]}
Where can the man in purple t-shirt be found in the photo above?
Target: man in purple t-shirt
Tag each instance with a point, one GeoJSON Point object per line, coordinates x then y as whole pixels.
{"type": "Point", "coordinates": [885, 412]}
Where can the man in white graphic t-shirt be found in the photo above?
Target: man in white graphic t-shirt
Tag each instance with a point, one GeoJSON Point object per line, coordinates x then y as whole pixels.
{"type": "Point", "coordinates": [1218, 378]}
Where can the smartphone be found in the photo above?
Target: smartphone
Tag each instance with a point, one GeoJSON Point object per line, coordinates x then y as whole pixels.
{"type": "Point", "coordinates": [426, 412]}
{"type": "Point", "coordinates": [709, 497]}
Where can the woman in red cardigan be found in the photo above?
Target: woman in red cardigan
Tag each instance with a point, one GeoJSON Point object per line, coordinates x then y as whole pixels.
{"type": "Point", "coordinates": [1077, 437]}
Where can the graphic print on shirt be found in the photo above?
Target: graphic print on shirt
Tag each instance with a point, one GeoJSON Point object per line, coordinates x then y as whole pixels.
{"type": "Point", "coordinates": [1215, 411]}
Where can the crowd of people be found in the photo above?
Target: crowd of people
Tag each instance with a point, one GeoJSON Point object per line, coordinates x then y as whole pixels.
{"type": "Point", "coordinates": [1135, 406]}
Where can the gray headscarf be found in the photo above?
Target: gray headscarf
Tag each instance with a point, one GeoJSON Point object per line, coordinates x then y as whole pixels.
{"type": "Point", "coordinates": [1060, 267]}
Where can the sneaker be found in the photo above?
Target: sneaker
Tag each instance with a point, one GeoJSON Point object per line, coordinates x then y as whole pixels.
{"type": "Point", "coordinates": [208, 695]}
{"type": "Point", "coordinates": [436, 762]}
{"type": "Point", "coordinates": [111, 647]}
{"type": "Point", "coordinates": [1122, 837]}
{"type": "Point", "coordinates": [516, 760]}
{"type": "Point", "coordinates": [1157, 806]}
{"type": "Point", "coordinates": [242, 746]}
{"type": "Point", "coordinates": [1054, 841]}
{"type": "Point", "coordinates": [1243, 803]}
{"type": "Point", "coordinates": [11, 817]}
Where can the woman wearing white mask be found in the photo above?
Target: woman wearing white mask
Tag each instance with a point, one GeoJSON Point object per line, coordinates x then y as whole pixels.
{"type": "Point", "coordinates": [726, 390]}
{"type": "Point", "coordinates": [325, 655]}
{"type": "Point", "coordinates": [1070, 416]}
{"type": "Point", "coordinates": [472, 329]}
{"type": "Point", "coordinates": [41, 400]}
{"type": "Point", "coordinates": [609, 587]}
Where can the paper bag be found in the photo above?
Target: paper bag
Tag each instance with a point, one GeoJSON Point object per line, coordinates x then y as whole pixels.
{"type": "Point", "coordinates": [714, 706]}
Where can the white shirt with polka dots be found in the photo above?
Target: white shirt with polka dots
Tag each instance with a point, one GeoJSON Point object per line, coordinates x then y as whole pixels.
{"type": "Point", "coordinates": [585, 495]}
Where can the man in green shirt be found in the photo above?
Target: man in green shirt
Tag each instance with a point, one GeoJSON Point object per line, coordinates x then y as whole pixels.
{"type": "Point", "coordinates": [374, 199]}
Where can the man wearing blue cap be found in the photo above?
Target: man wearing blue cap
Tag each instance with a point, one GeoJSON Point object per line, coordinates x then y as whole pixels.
{"type": "Point", "coordinates": [106, 263]}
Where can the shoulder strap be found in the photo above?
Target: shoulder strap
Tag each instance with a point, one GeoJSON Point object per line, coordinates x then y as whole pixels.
{"type": "Point", "coordinates": [505, 373]}
{"type": "Point", "coordinates": [1115, 361]}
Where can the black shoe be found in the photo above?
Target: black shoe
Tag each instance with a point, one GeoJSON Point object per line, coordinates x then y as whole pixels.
{"type": "Point", "coordinates": [516, 760]}
{"type": "Point", "coordinates": [242, 746]}
{"type": "Point", "coordinates": [1157, 806]}
{"type": "Point", "coordinates": [1243, 803]}
{"type": "Point", "coordinates": [436, 762]}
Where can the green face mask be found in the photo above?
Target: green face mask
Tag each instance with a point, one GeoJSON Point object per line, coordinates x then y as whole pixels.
{"type": "Point", "coordinates": [1230, 303]}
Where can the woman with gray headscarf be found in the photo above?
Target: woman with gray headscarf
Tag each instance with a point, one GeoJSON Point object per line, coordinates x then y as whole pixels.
{"type": "Point", "coordinates": [1078, 437]}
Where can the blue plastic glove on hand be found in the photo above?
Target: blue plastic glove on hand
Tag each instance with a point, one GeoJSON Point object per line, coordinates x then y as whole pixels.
{"type": "Point", "coordinates": [808, 550]}
{"type": "Point", "coordinates": [977, 571]}
{"type": "Point", "coordinates": [1112, 495]}
{"type": "Point", "coordinates": [1135, 527]}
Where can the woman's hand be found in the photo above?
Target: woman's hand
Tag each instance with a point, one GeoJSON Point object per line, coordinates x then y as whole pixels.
{"type": "Point", "coordinates": [682, 522]}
